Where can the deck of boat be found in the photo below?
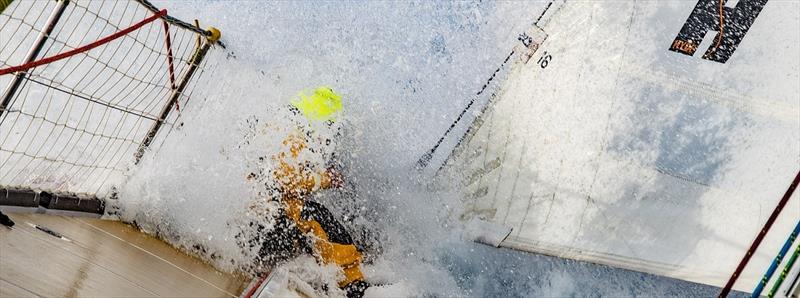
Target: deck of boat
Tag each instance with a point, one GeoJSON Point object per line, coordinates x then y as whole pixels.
{"type": "Point", "coordinates": [100, 259]}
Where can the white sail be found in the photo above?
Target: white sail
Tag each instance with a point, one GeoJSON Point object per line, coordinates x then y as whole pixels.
{"type": "Point", "coordinates": [607, 146]}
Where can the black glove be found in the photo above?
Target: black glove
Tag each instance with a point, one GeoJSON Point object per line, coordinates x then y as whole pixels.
{"type": "Point", "coordinates": [4, 220]}
{"type": "Point", "coordinates": [356, 289]}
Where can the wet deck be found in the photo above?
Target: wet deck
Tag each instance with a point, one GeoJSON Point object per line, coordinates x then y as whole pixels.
{"type": "Point", "coordinates": [100, 259]}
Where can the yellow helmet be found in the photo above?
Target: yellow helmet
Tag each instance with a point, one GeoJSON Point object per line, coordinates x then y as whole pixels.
{"type": "Point", "coordinates": [322, 105]}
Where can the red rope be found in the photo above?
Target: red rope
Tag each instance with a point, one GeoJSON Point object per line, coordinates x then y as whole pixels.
{"type": "Point", "coordinates": [170, 60]}
{"type": "Point", "coordinates": [254, 288]}
{"type": "Point", "coordinates": [82, 49]}
{"type": "Point", "coordinates": [757, 242]}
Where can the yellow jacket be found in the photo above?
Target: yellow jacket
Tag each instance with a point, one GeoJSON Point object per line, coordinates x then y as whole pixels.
{"type": "Point", "coordinates": [298, 179]}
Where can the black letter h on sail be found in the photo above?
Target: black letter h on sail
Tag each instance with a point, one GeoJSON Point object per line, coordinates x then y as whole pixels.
{"type": "Point", "coordinates": [731, 25]}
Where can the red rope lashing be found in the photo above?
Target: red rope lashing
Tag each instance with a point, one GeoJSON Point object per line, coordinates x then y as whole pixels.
{"type": "Point", "coordinates": [85, 48]}
{"type": "Point", "coordinates": [254, 288]}
{"type": "Point", "coordinates": [170, 64]}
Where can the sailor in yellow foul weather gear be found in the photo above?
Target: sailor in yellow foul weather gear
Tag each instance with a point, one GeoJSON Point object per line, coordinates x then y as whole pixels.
{"type": "Point", "coordinates": [300, 171]}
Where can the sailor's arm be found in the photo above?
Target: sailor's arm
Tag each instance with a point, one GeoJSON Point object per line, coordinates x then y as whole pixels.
{"type": "Point", "coordinates": [330, 178]}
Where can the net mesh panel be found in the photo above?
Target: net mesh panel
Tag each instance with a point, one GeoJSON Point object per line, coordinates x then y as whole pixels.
{"type": "Point", "coordinates": [74, 125]}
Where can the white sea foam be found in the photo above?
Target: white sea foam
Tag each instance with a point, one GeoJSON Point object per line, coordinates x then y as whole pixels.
{"type": "Point", "coordinates": [404, 70]}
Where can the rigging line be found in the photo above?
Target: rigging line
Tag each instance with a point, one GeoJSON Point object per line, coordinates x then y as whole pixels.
{"type": "Point", "coordinates": [93, 100]}
{"type": "Point", "coordinates": [721, 27]}
{"type": "Point", "coordinates": [793, 284]}
{"type": "Point", "coordinates": [82, 49]}
{"type": "Point", "coordinates": [174, 21]}
{"type": "Point", "coordinates": [168, 43]}
{"type": "Point", "coordinates": [775, 262]}
{"type": "Point", "coordinates": [721, 23]}
{"type": "Point", "coordinates": [776, 286]}
{"type": "Point", "coordinates": [751, 251]}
